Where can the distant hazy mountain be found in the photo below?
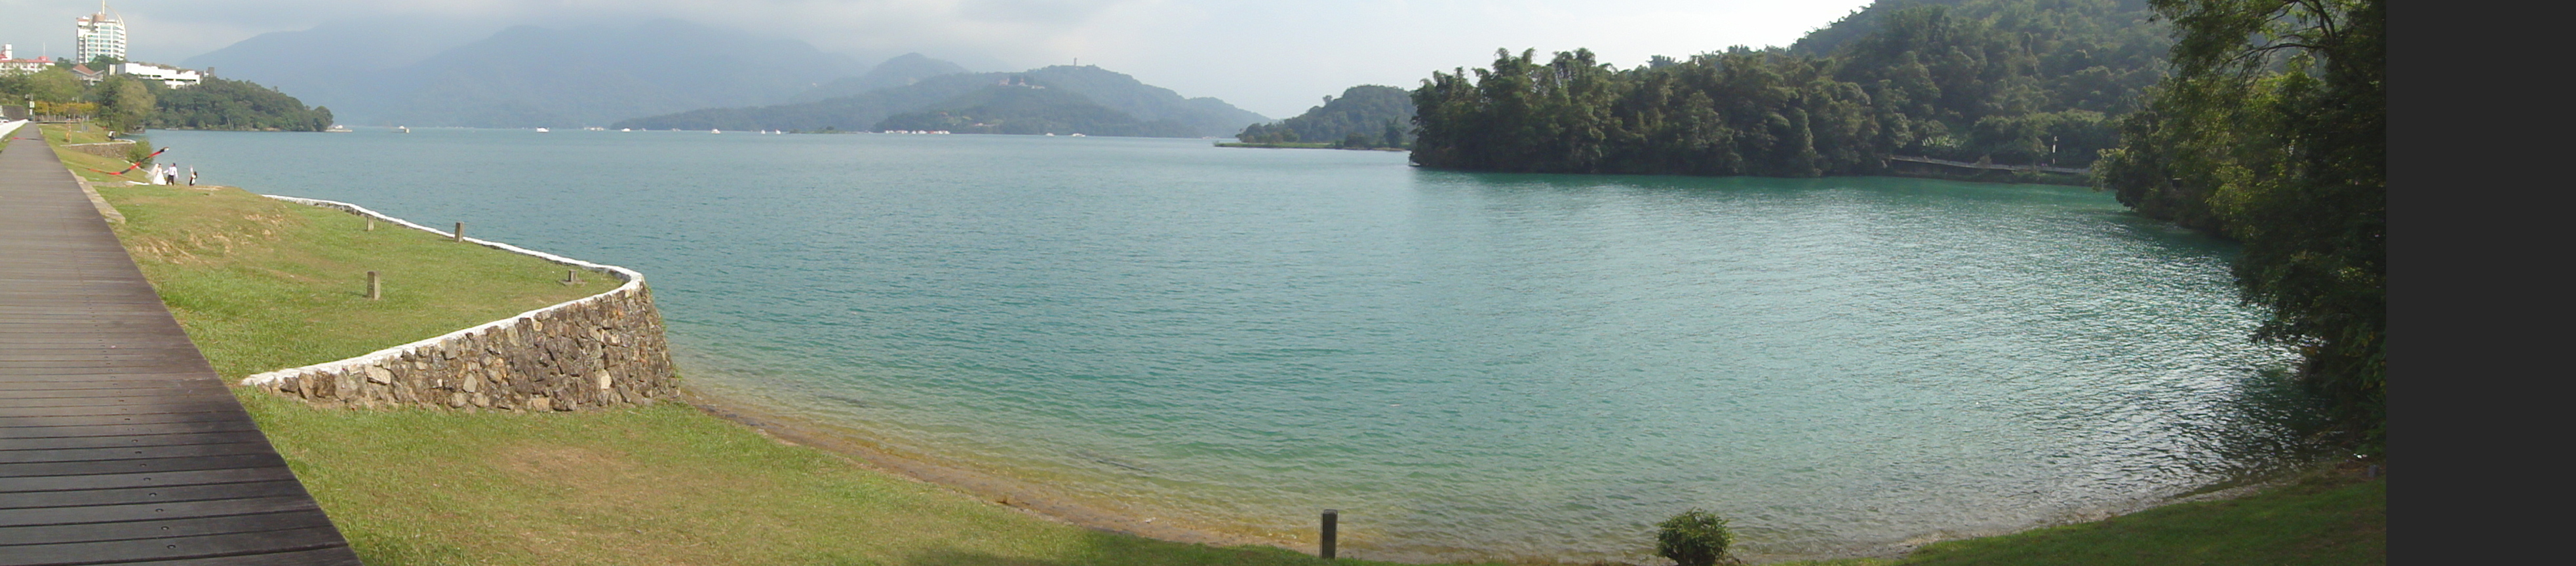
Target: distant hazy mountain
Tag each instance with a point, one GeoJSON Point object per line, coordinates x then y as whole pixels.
{"type": "Point", "coordinates": [900, 71]}
{"type": "Point", "coordinates": [1143, 103]}
{"type": "Point", "coordinates": [337, 64]}
{"type": "Point", "coordinates": [531, 76]}
{"type": "Point", "coordinates": [1025, 109]}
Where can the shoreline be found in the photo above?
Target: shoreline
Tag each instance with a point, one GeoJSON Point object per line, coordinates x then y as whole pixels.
{"type": "Point", "coordinates": [1029, 497]}
{"type": "Point", "coordinates": [1045, 502]}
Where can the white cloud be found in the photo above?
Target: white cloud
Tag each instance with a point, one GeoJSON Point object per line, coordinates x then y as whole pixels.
{"type": "Point", "coordinates": [1271, 57]}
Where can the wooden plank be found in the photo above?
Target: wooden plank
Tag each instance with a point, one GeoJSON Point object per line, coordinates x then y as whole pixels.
{"type": "Point", "coordinates": [33, 432]}
{"type": "Point", "coordinates": [136, 495]}
{"type": "Point", "coordinates": [78, 442]}
{"type": "Point", "coordinates": [155, 511]}
{"type": "Point", "coordinates": [117, 453]}
{"type": "Point", "coordinates": [173, 548]}
{"type": "Point", "coordinates": [163, 418]}
{"type": "Point", "coordinates": [155, 479]}
{"type": "Point", "coordinates": [119, 467]}
{"type": "Point", "coordinates": [129, 530]}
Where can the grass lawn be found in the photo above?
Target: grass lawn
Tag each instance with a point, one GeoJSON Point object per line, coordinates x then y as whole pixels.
{"type": "Point", "coordinates": [2324, 519]}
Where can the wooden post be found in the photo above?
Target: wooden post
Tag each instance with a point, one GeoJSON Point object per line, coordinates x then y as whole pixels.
{"type": "Point", "coordinates": [570, 279]}
{"type": "Point", "coordinates": [1332, 520]}
{"type": "Point", "coordinates": [460, 232]}
{"type": "Point", "coordinates": [371, 224]}
{"type": "Point", "coordinates": [375, 286]}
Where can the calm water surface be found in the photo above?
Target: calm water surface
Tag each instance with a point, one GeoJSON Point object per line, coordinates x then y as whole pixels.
{"type": "Point", "coordinates": [1467, 365]}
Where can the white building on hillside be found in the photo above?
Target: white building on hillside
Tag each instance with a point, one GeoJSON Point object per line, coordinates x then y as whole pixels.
{"type": "Point", "coordinates": [10, 64]}
{"type": "Point", "coordinates": [169, 76]}
{"type": "Point", "coordinates": [101, 35]}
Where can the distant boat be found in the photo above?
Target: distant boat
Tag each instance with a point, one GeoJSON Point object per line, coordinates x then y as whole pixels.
{"type": "Point", "coordinates": [1050, 134]}
{"type": "Point", "coordinates": [625, 129]}
{"type": "Point", "coordinates": [338, 129]}
{"type": "Point", "coordinates": [405, 129]}
{"type": "Point", "coordinates": [596, 129]}
{"type": "Point", "coordinates": [715, 131]}
{"type": "Point", "coordinates": [1080, 136]}
{"type": "Point", "coordinates": [543, 130]}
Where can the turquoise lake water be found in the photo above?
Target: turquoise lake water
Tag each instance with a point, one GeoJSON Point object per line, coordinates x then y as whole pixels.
{"type": "Point", "coordinates": [1467, 365]}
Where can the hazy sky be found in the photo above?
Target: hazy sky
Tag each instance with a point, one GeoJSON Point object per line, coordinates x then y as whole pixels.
{"type": "Point", "coordinates": [1272, 57]}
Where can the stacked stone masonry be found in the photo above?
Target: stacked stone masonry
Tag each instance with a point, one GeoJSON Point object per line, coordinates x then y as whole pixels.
{"type": "Point", "coordinates": [118, 149]}
{"type": "Point", "coordinates": [601, 351]}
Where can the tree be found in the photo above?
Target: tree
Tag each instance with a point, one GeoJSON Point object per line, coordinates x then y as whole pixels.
{"type": "Point", "coordinates": [125, 103]}
{"type": "Point", "coordinates": [2273, 131]}
{"type": "Point", "coordinates": [52, 85]}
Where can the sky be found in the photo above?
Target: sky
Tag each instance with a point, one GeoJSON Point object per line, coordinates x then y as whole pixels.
{"type": "Point", "coordinates": [1272, 57]}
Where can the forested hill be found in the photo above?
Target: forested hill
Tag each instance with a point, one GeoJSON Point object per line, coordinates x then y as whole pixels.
{"type": "Point", "coordinates": [1024, 109]}
{"type": "Point", "coordinates": [1363, 116]}
{"type": "Point", "coordinates": [219, 104]}
{"type": "Point", "coordinates": [1139, 102]}
{"type": "Point", "coordinates": [2012, 81]}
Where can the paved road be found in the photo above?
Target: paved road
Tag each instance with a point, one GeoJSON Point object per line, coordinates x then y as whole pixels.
{"type": "Point", "coordinates": [118, 445]}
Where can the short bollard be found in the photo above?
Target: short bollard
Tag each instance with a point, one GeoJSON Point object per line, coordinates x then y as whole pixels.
{"type": "Point", "coordinates": [371, 224]}
{"type": "Point", "coordinates": [375, 286]}
{"type": "Point", "coordinates": [1332, 518]}
{"type": "Point", "coordinates": [570, 279]}
{"type": "Point", "coordinates": [460, 232]}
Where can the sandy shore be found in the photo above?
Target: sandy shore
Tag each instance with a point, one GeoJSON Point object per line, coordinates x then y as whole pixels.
{"type": "Point", "coordinates": [1028, 497]}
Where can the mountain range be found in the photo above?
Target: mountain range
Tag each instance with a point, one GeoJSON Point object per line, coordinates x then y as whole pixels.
{"type": "Point", "coordinates": [671, 73]}
{"type": "Point", "coordinates": [984, 102]}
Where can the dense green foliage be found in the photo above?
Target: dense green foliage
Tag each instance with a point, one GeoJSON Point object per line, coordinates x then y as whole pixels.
{"type": "Point", "coordinates": [130, 104]}
{"type": "Point", "coordinates": [1694, 538]}
{"type": "Point", "coordinates": [1025, 110]}
{"type": "Point", "coordinates": [1140, 102]}
{"type": "Point", "coordinates": [1363, 116]}
{"type": "Point", "coordinates": [125, 103]}
{"type": "Point", "coordinates": [118, 103]}
{"type": "Point", "coordinates": [2014, 81]}
{"type": "Point", "coordinates": [219, 104]}
{"type": "Point", "coordinates": [49, 85]}
{"type": "Point", "coordinates": [2273, 131]}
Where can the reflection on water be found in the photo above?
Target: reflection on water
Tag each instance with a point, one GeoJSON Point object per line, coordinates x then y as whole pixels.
{"type": "Point", "coordinates": [1468, 365]}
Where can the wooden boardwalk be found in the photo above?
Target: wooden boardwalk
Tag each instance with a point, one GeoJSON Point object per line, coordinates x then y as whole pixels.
{"type": "Point", "coordinates": [118, 445]}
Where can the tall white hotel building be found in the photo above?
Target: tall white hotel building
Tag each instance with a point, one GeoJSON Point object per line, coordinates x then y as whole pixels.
{"type": "Point", "coordinates": [100, 34]}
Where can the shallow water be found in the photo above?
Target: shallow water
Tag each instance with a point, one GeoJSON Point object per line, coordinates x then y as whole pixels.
{"type": "Point", "coordinates": [1467, 365]}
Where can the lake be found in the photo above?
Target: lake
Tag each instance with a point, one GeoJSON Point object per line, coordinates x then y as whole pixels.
{"type": "Point", "coordinates": [1467, 365]}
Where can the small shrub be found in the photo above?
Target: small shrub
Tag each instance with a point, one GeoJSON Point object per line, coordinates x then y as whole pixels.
{"type": "Point", "coordinates": [1695, 538]}
{"type": "Point", "coordinates": [139, 152]}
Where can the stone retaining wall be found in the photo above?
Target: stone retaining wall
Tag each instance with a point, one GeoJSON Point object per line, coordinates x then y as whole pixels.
{"type": "Point", "coordinates": [117, 149]}
{"type": "Point", "coordinates": [600, 351]}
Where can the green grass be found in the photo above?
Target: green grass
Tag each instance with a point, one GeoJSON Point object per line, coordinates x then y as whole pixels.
{"type": "Point", "coordinates": [262, 284]}
{"type": "Point", "coordinates": [664, 484]}
{"type": "Point", "coordinates": [2322, 520]}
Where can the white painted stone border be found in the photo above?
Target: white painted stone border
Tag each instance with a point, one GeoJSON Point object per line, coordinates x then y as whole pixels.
{"type": "Point", "coordinates": [634, 284]}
